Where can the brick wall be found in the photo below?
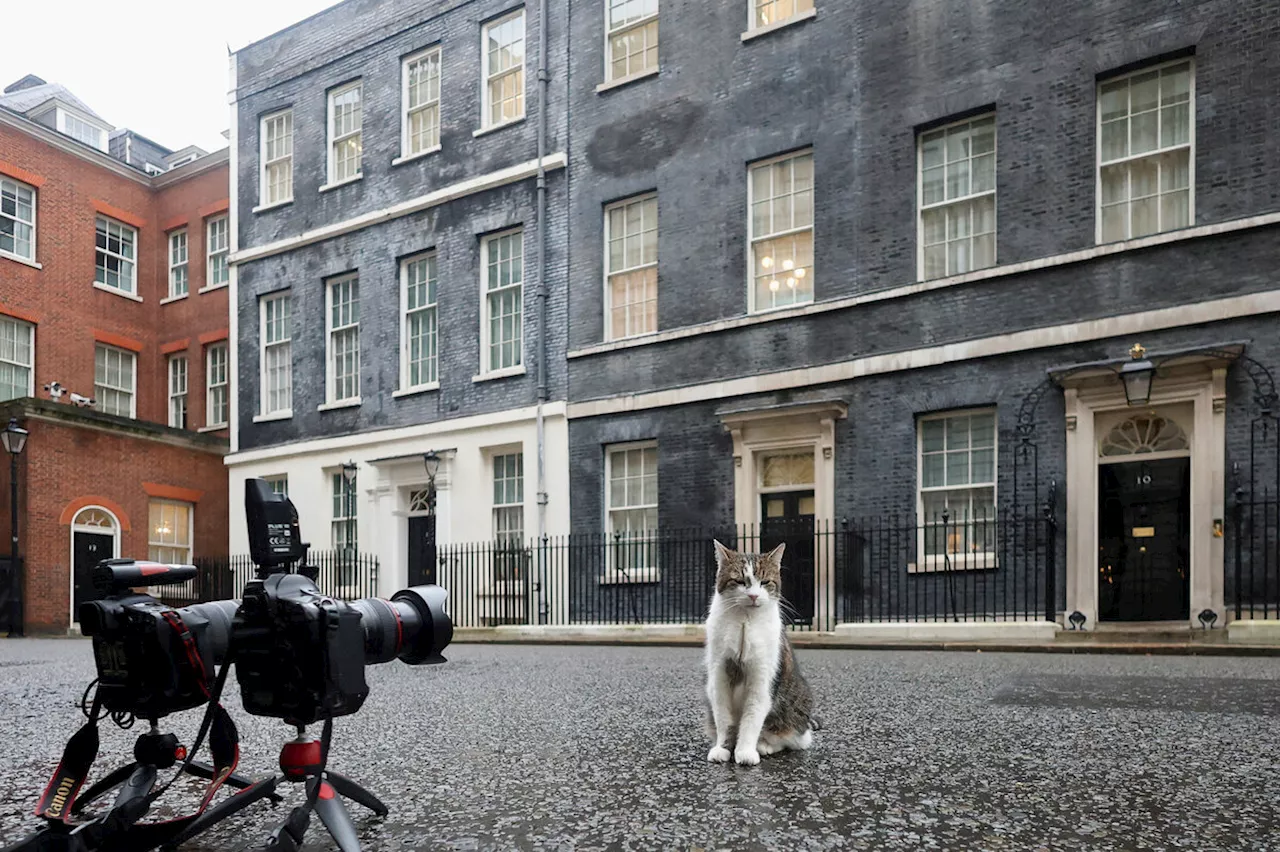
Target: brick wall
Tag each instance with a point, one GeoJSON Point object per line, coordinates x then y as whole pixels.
{"type": "Point", "coordinates": [67, 465]}
{"type": "Point", "coordinates": [69, 313]}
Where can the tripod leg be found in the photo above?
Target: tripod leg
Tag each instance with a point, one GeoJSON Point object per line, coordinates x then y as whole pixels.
{"type": "Point", "coordinates": [334, 816]}
{"type": "Point", "coordinates": [235, 779]}
{"type": "Point", "coordinates": [251, 794]}
{"type": "Point", "coordinates": [113, 779]}
{"type": "Point", "coordinates": [353, 791]}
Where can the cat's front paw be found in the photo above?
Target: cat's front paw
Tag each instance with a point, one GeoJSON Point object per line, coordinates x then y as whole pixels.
{"type": "Point", "coordinates": [746, 756]}
{"type": "Point", "coordinates": [718, 754]}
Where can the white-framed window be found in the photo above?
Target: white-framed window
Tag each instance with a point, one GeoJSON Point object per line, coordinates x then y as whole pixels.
{"type": "Point", "coordinates": [178, 391]}
{"type": "Point", "coordinates": [502, 61]}
{"type": "Point", "coordinates": [346, 123]}
{"type": "Point", "coordinates": [508, 516]}
{"type": "Point", "coordinates": [957, 198]}
{"type": "Point", "coordinates": [276, 340]}
{"type": "Point", "coordinates": [87, 132]}
{"type": "Point", "coordinates": [345, 524]}
{"type": "Point", "coordinates": [631, 267]}
{"type": "Point", "coordinates": [17, 358]}
{"type": "Point", "coordinates": [1146, 151]}
{"type": "Point", "coordinates": [218, 247]}
{"type": "Point", "coordinates": [419, 340]}
{"type": "Point", "coordinates": [277, 158]}
{"type": "Point", "coordinates": [631, 509]}
{"type": "Point", "coordinates": [420, 120]}
{"type": "Point", "coordinates": [217, 386]}
{"type": "Point", "coordinates": [502, 332]}
{"type": "Point", "coordinates": [116, 256]}
{"type": "Point", "coordinates": [768, 13]}
{"type": "Point", "coordinates": [17, 219]}
{"type": "Point", "coordinates": [279, 484]}
{"type": "Point", "coordinates": [780, 197]}
{"type": "Point", "coordinates": [631, 38]}
{"type": "Point", "coordinates": [178, 281]}
{"type": "Point", "coordinates": [115, 380]}
{"type": "Point", "coordinates": [957, 489]}
{"type": "Point", "coordinates": [343, 335]}
{"type": "Point", "coordinates": [169, 532]}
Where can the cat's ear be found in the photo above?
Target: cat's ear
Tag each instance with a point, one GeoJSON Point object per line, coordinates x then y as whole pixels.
{"type": "Point", "coordinates": [775, 555]}
{"type": "Point", "coordinates": [722, 553]}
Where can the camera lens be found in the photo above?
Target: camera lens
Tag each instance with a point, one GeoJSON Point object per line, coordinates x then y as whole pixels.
{"type": "Point", "coordinates": [412, 626]}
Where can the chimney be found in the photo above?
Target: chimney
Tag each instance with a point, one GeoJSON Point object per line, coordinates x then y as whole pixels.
{"type": "Point", "coordinates": [28, 82]}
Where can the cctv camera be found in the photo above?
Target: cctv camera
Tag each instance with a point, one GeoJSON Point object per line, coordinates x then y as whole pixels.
{"type": "Point", "coordinates": [55, 390]}
{"type": "Point", "coordinates": [81, 401]}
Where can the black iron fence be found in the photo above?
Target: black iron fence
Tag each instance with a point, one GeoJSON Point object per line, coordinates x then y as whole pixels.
{"type": "Point", "coordinates": [1253, 558]}
{"type": "Point", "coordinates": [997, 566]}
{"type": "Point", "coordinates": [341, 574]}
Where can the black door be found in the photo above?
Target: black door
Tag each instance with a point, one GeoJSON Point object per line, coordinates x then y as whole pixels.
{"type": "Point", "coordinates": [788, 518]}
{"type": "Point", "coordinates": [90, 549]}
{"type": "Point", "coordinates": [422, 551]}
{"type": "Point", "coordinates": [1144, 538]}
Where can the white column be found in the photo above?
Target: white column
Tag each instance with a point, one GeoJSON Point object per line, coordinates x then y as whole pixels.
{"type": "Point", "coordinates": [1082, 501]}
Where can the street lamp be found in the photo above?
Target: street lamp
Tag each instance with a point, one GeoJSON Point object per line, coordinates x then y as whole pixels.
{"type": "Point", "coordinates": [1137, 376]}
{"type": "Point", "coordinates": [349, 487]}
{"type": "Point", "coordinates": [15, 438]}
{"type": "Point", "coordinates": [431, 461]}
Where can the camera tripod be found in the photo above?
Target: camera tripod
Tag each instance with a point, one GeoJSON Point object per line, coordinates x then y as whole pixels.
{"type": "Point", "coordinates": [302, 760]}
{"type": "Point", "coordinates": [117, 829]}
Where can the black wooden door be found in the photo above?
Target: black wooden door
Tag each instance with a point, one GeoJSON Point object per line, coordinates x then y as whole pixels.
{"type": "Point", "coordinates": [90, 549]}
{"type": "Point", "coordinates": [1144, 538]}
{"type": "Point", "coordinates": [788, 519]}
{"type": "Point", "coordinates": [422, 551]}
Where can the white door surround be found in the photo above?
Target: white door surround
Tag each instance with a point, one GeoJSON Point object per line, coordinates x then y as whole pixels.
{"type": "Point", "coordinates": [758, 432]}
{"type": "Point", "coordinates": [1193, 394]}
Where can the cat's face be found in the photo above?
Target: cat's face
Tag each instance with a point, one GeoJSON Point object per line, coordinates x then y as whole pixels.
{"type": "Point", "coordinates": [748, 579]}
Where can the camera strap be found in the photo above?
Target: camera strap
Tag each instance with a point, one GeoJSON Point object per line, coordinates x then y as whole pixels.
{"type": "Point", "coordinates": [72, 771]}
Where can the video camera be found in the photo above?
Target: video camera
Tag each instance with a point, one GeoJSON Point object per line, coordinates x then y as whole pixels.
{"type": "Point", "coordinates": [299, 656]}
{"type": "Point", "coordinates": [152, 660]}
{"type": "Point", "coordinates": [300, 653]}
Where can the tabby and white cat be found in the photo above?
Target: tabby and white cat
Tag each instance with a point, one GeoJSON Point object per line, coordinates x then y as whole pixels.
{"type": "Point", "coordinates": [758, 703]}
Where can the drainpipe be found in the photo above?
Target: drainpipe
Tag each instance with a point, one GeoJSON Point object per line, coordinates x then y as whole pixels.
{"type": "Point", "coordinates": [544, 80]}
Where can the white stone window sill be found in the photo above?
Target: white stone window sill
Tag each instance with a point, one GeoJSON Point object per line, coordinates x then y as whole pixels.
{"type": "Point", "coordinates": [418, 156]}
{"type": "Point", "coordinates": [779, 25]}
{"type": "Point", "coordinates": [504, 373]}
{"type": "Point", "coordinates": [780, 308]}
{"type": "Point", "coordinates": [262, 208]}
{"type": "Point", "coordinates": [287, 414]}
{"type": "Point", "coordinates": [415, 390]}
{"type": "Point", "coordinates": [343, 403]}
{"type": "Point", "coordinates": [626, 81]}
{"type": "Point", "coordinates": [17, 259]}
{"type": "Point", "coordinates": [959, 562]}
{"type": "Point", "coordinates": [329, 186]}
{"type": "Point", "coordinates": [614, 577]}
{"type": "Point", "coordinates": [116, 292]}
{"type": "Point", "coordinates": [484, 131]}
{"type": "Point", "coordinates": [168, 300]}
{"type": "Point", "coordinates": [212, 287]}
{"type": "Point", "coordinates": [217, 427]}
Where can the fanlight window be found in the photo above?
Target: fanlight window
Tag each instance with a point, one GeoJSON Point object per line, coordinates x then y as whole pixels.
{"type": "Point", "coordinates": [1144, 433]}
{"type": "Point", "coordinates": [418, 500]}
{"type": "Point", "coordinates": [94, 518]}
{"type": "Point", "coordinates": [789, 469]}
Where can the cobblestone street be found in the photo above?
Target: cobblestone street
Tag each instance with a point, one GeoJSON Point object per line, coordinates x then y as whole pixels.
{"type": "Point", "coordinates": [582, 748]}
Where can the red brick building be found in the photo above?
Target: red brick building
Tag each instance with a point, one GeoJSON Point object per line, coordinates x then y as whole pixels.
{"type": "Point", "coordinates": [113, 347]}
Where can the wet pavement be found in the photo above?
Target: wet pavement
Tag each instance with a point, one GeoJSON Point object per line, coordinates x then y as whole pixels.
{"type": "Point", "coordinates": [582, 748]}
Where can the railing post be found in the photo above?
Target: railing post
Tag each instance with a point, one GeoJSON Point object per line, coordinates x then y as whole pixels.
{"type": "Point", "coordinates": [542, 579]}
{"type": "Point", "coordinates": [1237, 527]}
{"type": "Point", "coordinates": [1050, 562]}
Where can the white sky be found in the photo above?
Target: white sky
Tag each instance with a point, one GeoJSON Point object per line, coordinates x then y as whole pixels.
{"type": "Point", "coordinates": [158, 68]}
